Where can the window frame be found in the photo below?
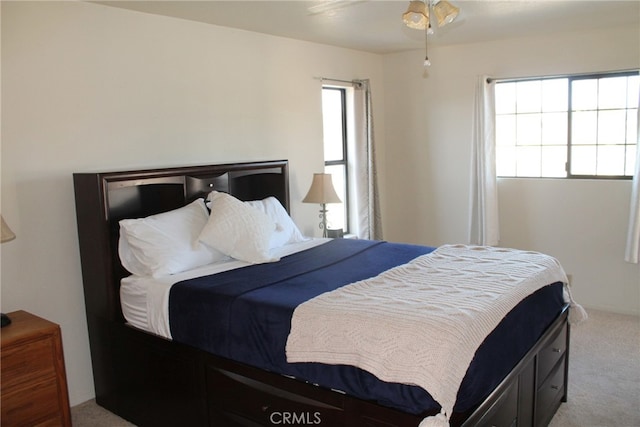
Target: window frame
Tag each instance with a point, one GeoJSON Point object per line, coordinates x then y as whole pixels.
{"type": "Point", "coordinates": [569, 142]}
{"type": "Point", "coordinates": [344, 162]}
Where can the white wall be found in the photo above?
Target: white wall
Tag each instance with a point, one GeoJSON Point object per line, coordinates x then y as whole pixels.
{"type": "Point", "coordinates": [87, 87]}
{"type": "Point", "coordinates": [428, 125]}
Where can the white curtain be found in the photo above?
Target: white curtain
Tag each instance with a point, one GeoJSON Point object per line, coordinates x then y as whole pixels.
{"type": "Point", "coordinates": [484, 227]}
{"type": "Point", "coordinates": [632, 253]}
{"type": "Point", "coordinates": [367, 223]}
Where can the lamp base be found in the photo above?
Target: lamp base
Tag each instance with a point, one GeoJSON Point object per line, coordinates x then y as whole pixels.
{"type": "Point", "coordinates": [323, 219]}
{"type": "Point", "coordinates": [4, 320]}
{"type": "Point", "coordinates": [335, 233]}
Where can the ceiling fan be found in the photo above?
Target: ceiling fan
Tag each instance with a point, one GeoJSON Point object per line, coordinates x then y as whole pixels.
{"type": "Point", "coordinates": [419, 14]}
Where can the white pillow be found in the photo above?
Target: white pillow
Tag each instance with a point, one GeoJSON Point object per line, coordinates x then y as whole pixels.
{"type": "Point", "coordinates": [238, 229]}
{"type": "Point", "coordinates": [128, 258]}
{"type": "Point", "coordinates": [166, 243]}
{"type": "Point", "coordinates": [286, 230]}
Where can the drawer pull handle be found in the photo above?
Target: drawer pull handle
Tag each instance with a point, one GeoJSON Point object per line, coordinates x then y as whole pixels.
{"type": "Point", "coordinates": [555, 387]}
{"type": "Point", "coordinates": [556, 350]}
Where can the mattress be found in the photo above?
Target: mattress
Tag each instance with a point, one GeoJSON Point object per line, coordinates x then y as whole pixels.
{"type": "Point", "coordinates": [145, 299]}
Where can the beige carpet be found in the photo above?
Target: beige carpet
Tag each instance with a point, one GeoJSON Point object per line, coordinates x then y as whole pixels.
{"type": "Point", "coordinates": [604, 373]}
{"type": "Point", "coordinates": [604, 378]}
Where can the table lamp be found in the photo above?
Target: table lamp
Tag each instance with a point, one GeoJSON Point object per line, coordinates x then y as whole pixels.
{"type": "Point", "coordinates": [322, 192]}
{"type": "Point", "coordinates": [6, 236]}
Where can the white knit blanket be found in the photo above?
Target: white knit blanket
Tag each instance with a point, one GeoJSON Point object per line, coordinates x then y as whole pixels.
{"type": "Point", "coordinates": [420, 323]}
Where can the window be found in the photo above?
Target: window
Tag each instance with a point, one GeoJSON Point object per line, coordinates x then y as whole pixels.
{"type": "Point", "coordinates": [334, 115]}
{"type": "Point", "coordinates": [569, 127]}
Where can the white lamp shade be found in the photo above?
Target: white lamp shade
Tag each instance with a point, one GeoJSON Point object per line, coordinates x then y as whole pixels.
{"type": "Point", "coordinates": [322, 190]}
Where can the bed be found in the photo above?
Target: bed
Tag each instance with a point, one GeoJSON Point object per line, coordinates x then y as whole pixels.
{"type": "Point", "coordinates": [155, 366]}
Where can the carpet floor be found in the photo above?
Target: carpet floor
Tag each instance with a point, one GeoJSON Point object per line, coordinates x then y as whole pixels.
{"type": "Point", "coordinates": [604, 378]}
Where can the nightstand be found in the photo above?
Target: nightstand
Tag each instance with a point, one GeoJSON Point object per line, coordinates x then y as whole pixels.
{"type": "Point", "coordinates": [33, 383]}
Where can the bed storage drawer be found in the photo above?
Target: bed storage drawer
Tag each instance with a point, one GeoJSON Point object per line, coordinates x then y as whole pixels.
{"type": "Point", "coordinates": [505, 411]}
{"type": "Point", "coordinates": [550, 394]}
{"type": "Point", "coordinates": [231, 395]}
{"type": "Point", "coordinates": [551, 353]}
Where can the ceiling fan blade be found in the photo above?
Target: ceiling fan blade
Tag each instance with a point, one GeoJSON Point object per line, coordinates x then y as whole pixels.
{"type": "Point", "coordinates": [331, 5]}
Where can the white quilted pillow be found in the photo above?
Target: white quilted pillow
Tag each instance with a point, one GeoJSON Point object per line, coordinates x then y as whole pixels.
{"type": "Point", "coordinates": [238, 229]}
{"type": "Point", "coordinates": [286, 230]}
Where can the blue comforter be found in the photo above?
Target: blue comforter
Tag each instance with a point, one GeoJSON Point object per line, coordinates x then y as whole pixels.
{"type": "Point", "coordinates": [245, 315]}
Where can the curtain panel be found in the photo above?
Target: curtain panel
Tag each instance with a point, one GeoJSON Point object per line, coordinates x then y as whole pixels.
{"type": "Point", "coordinates": [483, 221]}
{"type": "Point", "coordinates": [366, 203]}
{"type": "Point", "coordinates": [632, 252]}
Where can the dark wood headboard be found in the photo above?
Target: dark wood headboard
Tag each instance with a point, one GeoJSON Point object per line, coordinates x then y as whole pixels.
{"type": "Point", "coordinates": [105, 198]}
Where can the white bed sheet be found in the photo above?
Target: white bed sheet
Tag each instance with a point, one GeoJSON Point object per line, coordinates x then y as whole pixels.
{"type": "Point", "coordinates": [145, 299]}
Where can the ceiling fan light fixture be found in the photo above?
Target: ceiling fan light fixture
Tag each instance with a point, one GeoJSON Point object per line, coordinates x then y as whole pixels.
{"type": "Point", "coordinates": [445, 12]}
{"type": "Point", "coordinates": [417, 15]}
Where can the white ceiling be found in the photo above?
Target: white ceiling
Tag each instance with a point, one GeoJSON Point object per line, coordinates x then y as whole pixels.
{"type": "Point", "coordinates": [376, 26]}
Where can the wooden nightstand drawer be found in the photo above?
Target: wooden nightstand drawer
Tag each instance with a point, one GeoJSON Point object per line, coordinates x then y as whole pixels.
{"type": "Point", "coordinates": [27, 363]}
{"type": "Point", "coordinates": [31, 405]}
{"type": "Point", "coordinates": [32, 375]}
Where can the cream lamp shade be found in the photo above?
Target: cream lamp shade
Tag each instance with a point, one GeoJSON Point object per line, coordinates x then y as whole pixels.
{"type": "Point", "coordinates": [7, 234]}
{"type": "Point", "coordinates": [445, 12]}
{"type": "Point", "coordinates": [416, 16]}
{"type": "Point", "coordinates": [322, 190]}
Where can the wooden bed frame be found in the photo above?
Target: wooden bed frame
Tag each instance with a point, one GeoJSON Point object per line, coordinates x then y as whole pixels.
{"type": "Point", "coordinates": [152, 381]}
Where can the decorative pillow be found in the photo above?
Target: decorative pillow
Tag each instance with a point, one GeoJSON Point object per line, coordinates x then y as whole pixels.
{"type": "Point", "coordinates": [238, 229]}
{"type": "Point", "coordinates": [286, 230]}
{"type": "Point", "coordinates": [166, 243]}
